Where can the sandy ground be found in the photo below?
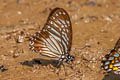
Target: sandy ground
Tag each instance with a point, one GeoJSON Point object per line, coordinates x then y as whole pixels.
{"type": "Point", "coordinates": [94, 23]}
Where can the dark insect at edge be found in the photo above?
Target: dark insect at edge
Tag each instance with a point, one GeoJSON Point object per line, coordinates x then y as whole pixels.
{"type": "Point", "coordinates": [111, 61]}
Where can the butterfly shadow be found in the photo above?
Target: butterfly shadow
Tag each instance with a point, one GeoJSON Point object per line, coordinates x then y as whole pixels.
{"type": "Point", "coordinates": [42, 62]}
{"type": "Point", "coordinates": [111, 76]}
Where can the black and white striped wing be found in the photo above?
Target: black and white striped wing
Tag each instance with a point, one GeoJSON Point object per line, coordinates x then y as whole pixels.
{"type": "Point", "coordinates": [55, 38]}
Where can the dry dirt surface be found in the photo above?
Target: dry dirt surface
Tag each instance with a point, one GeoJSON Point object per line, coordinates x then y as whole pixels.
{"type": "Point", "coordinates": [96, 28]}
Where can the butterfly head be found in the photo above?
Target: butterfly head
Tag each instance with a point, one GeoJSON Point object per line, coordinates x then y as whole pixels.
{"type": "Point", "coordinates": [70, 58]}
{"type": "Point", "coordinates": [67, 58]}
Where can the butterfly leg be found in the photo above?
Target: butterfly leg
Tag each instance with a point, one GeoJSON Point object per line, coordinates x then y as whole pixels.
{"type": "Point", "coordinates": [58, 66]}
{"type": "Point", "coordinates": [64, 69]}
{"type": "Point", "coordinates": [59, 69]}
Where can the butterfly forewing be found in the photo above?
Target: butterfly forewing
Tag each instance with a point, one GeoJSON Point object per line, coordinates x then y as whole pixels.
{"type": "Point", "coordinates": [55, 38]}
{"type": "Point", "coordinates": [59, 26]}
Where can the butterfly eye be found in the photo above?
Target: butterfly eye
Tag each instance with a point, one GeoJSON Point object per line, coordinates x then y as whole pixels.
{"type": "Point", "coordinates": [55, 39]}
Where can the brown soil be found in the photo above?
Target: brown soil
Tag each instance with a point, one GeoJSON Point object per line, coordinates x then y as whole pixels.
{"type": "Point", "coordinates": [95, 23]}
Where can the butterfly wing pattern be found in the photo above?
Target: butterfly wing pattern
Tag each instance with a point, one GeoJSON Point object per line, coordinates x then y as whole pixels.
{"type": "Point", "coordinates": [55, 39]}
{"type": "Point", "coordinates": [111, 62]}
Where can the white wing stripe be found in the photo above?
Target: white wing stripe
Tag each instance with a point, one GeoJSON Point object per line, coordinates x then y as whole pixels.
{"type": "Point", "coordinates": [57, 21]}
{"type": "Point", "coordinates": [55, 24]}
{"type": "Point", "coordinates": [56, 43]}
{"type": "Point", "coordinates": [55, 31]}
{"type": "Point", "coordinates": [45, 40]}
{"type": "Point", "coordinates": [51, 43]}
{"type": "Point", "coordinates": [62, 21]}
{"type": "Point", "coordinates": [56, 37]}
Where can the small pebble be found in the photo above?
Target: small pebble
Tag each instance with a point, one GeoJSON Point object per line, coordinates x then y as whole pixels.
{"type": "Point", "coordinates": [16, 55]}
{"type": "Point", "coordinates": [20, 39]}
{"type": "Point", "coordinates": [11, 51]}
{"type": "Point", "coordinates": [75, 17]}
{"type": "Point", "coordinates": [19, 12]}
{"type": "Point", "coordinates": [111, 40]}
{"type": "Point", "coordinates": [108, 18]}
{"type": "Point", "coordinates": [78, 62]}
{"type": "Point", "coordinates": [90, 3]}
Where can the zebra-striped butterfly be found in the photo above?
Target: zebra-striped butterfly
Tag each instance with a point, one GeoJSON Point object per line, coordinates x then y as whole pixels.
{"type": "Point", "coordinates": [111, 62]}
{"type": "Point", "coordinates": [55, 38]}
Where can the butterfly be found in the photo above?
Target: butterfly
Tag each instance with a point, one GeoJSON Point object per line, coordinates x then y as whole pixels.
{"type": "Point", "coordinates": [111, 61]}
{"type": "Point", "coordinates": [55, 38]}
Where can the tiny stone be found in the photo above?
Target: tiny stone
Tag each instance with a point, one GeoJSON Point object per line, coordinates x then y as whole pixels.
{"type": "Point", "coordinates": [33, 71]}
{"type": "Point", "coordinates": [75, 16]}
{"type": "Point", "coordinates": [90, 3]}
{"type": "Point", "coordinates": [108, 18]}
{"type": "Point", "coordinates": [11, 51]}
{"type": "Point", "coordinates": [20, 39]}
{"type": "Point", "coordinates": [111, 40]}
{"type": "Point", "coordinates": [3, 57]}
{"type": "Point", "coordinates": [78, 62]}
{"type": "Point", "coordinates": [86, 20]}
{"type": "Point", "coordinates": [16, 55]}
{"type": "Point", "coordinates": [93, 59]}
{"type": "Point", "coordinates": [19, 12]}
